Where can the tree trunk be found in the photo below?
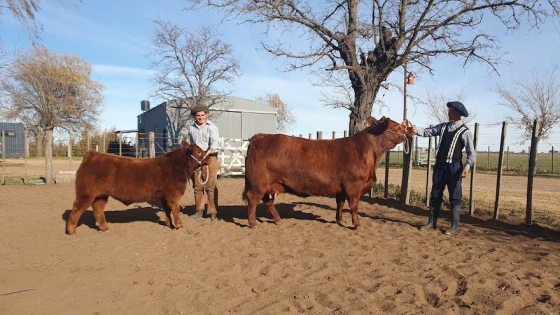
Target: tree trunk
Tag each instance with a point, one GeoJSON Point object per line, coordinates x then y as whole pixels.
{"type": "Point", "coordinates": [40, 143]}
{"type": "Point", "coordinates": [48, 156]}
{"type": "Point", "coordinates": [363, 104]}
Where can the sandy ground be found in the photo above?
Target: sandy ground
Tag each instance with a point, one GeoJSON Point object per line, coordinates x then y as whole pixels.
{"type": "Point", "coordinates": [306, 265]}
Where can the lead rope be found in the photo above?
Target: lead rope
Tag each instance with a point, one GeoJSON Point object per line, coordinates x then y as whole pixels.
{"type": "Point", "coordinates": [203, 167]}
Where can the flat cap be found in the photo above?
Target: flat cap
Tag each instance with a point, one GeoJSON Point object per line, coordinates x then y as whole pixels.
{"type": "Point", "coordinates": [459, 107]}
{"type": "Point", "coordinates": [199, 108]}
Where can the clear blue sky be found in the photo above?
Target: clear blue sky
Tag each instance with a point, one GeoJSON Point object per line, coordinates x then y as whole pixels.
{"type": "Point", "coordinates": [114, 36]}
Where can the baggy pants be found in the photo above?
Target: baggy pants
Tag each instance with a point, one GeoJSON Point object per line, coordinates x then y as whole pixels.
{"type": "Point", "coordinates": [447, 174]}
{"type": "Point", "coordinates": [210, 187]}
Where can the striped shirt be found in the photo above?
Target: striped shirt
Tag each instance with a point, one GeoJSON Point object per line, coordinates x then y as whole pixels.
{"type": "Point", "coordinates": [466, 137]}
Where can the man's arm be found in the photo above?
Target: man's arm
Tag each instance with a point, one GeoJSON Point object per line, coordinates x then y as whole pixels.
{"type": "Point", "coordinates": [430, 131]}
{"type": "Point", "coordinates": [214, 138]}
{"type": "Point", "coordinates": [469, 148]}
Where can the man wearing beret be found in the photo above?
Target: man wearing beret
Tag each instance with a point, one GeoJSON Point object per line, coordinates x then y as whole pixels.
{"type": "Point", "coordinates": [448, 169]}
{"type": "Point", "coordinates": [206, 135]}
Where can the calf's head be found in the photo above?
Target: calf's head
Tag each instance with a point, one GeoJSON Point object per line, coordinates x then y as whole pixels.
{"type": "Point", "coordinates": [194, 151]}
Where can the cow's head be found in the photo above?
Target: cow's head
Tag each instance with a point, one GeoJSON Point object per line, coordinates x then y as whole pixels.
{"type": "Point", "coordinates": [195, 152]}
{"type": "Point", "coordinates": [396, 133]}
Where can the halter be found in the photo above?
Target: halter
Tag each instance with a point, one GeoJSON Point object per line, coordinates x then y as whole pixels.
{"type": "Point", "coordinates": [405, 147]}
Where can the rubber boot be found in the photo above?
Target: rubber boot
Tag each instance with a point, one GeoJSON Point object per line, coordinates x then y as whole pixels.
{"type": "Point", "coordinates": [212, 204]}
{"type": "Point", "coordinates": [432, 219]}
{"type": "Point", "coordinates": [456, 213]}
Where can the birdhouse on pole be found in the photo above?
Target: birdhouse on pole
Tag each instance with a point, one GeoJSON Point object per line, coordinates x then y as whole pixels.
{"type": "Point", "coordinates": [410, 79]}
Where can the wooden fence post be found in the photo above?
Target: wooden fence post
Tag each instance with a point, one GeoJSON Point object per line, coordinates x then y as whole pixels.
{"type": "Point", "coordinates": [104, 148]}
{"type": "Point", "coordinates": [334, 135]}
{"type": "Point", "coordinates": [3, 139]}
{"type": "Point", "coordinates": [88, 142]}
{"type": "Point", "coordinates": [428, 171]}
{"type": "Point", "coordinates": [120, 144]}
{"type": "Point", "coordinates": [473, 171]}
{"type": "Point", "coordinates": [500, 170]}
{"type": "Point", "coordinates": [407, 168]}
{"type": "Point", "coordinates": [152, 144]}
{"type": "Point", "coordinates": [531, 175]}
{"type": "Point", "coordinates": [25, 156]}
{"type": "Point", "coordinates": [319, 135]}
{"type": "Point", "coordinates": [70, 153]}
{"type": "Point", "coordinates": [552, 166]}
{"type": "Point", "coordinates": [310, 136]}
{"type": "Point", "coordinates": [345, 133]}
{"type": "Point", "coordinates": [387, 161]}
{"type": "Point", "coordinates": [488, 157]}
{"type": "Point", "coordinates": [507, 159]}
{"type": "Point", "coordinates": [137, 144]}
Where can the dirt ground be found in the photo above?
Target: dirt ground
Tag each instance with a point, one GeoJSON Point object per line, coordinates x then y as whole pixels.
{"type": "Point", "coordinates": [308, 264]}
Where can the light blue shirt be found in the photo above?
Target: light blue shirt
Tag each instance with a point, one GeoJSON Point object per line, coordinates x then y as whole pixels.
{"type": "Point", "coordinates": [467, 138]}
{"type": "Point", "coordinates": [205, 137]}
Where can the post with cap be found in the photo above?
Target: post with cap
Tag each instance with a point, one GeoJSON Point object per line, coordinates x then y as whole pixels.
{"type": "Point", "coordinates": [407, 146]}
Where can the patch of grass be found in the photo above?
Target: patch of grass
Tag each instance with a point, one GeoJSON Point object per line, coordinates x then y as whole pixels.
{"type": "Point", "coordinates": [18, 180]}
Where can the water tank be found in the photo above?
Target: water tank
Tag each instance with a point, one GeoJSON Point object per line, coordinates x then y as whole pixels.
{"type": "Point", "coordinates": [145, 105]}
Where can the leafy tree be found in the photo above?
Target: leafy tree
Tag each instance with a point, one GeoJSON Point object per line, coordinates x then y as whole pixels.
{"type": "Point", "coordinates": [368, 40]}
{"type": "Point", "coordinates": [530, 99]}
{"type": "Point", "coordinates": [189, 65]}
{"type": "Point", "coordinates": [285, 118]}
{"type": "Point", "coordinates": [47, 90]}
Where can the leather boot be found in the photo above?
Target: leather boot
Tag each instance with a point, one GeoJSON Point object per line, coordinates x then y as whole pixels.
{"type": "Point", "coordinates": [432, 219]}
{"type": "Point", "coordinates": [456, 213]}
{"type": "Point", "coordinates": [213, 204]}
{"type": "Point", "coordinates": [199, 204]}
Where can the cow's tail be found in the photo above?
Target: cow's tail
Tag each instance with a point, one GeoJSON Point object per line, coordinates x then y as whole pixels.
{"type": "Point", "coordinates": [244, 194]}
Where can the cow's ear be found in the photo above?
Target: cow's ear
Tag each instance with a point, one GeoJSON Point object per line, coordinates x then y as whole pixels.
{"type": "Point", "coordinates": [371, 120]}
{"type": "Point", "coordinates": [184, 144]}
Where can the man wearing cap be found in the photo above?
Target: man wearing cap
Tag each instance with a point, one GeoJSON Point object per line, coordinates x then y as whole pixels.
{"type": "Point", "coordinates": [205, 134]}
{"type": "Point", "coordinates": [448, 169]}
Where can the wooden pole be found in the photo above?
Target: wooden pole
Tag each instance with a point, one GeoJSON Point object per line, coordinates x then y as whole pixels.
{"type": "Point", "coordinates": [428, 171]}
{"type": "Point", "coordinates": [319, 135]}
{"type": "Point", "coordinates": [473, 171]}
{"type": "Point", "coordinates": [500, 170]}
{"type": "Point", "coordinates": [3, 157]}
{"type": "Point", "coordinates": [345, 133]}
{"type": "Point", "coordinates": [120, 144]}
{"type": "Point", "coordinates": [88, 142]}
{"type": "Point", "coordinates": [310, 136]}
{"type": "Point", "coordinates": [137, 144]}
{"type": "Point", "coordinates": [25, 156]}
{"type": "Point", "coordinates": [531, 175]}
{"type": "Point", "coordinates": [152, 144]}
{"type": "Point", "coordinates": [334, 135]}
{"type": "Point", "coordinates": [488, 157]}
{"type": "Point", "coordinates": [386, 183]}
{"type": "Point", "coordinates": [407, 168]}
{"type": "Point", "coordinates": [70, 153]}
{"type": "Point", "coordinates": [507, 158]}
{"type": "Point", "coordinates": [552, 166]}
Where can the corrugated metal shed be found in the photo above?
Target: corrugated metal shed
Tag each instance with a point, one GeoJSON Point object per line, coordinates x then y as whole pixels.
{"type": "Point", "coordinates": [15, 145]}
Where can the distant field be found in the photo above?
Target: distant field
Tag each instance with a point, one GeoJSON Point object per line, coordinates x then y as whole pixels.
{"type": "Point", "coordinates": [515, 162]}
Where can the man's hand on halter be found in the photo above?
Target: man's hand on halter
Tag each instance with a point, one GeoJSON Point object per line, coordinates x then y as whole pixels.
{"type": "Point", "coordinates": [465, 173]}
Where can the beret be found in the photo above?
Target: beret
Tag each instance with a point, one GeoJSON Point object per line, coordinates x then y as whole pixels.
{"type": "Point", "coordinates": [199, 108]}
{"type": "Point", "coordinates": [459, 107]}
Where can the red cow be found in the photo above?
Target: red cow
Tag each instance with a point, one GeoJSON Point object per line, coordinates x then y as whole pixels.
{"type": "Point", "coordinates": [343, 167]}
{"type": "Point", "coordinates": [130, 180]}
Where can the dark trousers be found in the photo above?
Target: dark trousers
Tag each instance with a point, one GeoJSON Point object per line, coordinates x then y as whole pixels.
{"type": "Point", "coordinates": [447, 174]}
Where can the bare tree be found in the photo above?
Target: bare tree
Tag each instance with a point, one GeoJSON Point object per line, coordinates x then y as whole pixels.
{"type": "Point", "coordinates": [435, 108]}
{"type": "Point", "coordinates": [530, 99]}
{"type": "Point", "coordinates": [25, 10]}
{"type": "Point", "coordinates": [47, 91]}
{"type": "Point", "coordinates": [285, 118]}
{"type": "Point", "coordinates": [189, 66]}
{"type": "Point", "coordinates": [368, 40]}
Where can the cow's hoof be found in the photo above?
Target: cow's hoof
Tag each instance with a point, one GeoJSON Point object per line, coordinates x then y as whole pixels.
{"type": "Point", "coordinates": [179, 226]}
{"type": "Point", "coordinates": [104, 228]}
{"type": "Point", "coordinates": [213, 217]}
{"type": "Point", "coordinates": [279, 222]}
{"type": "Point", "coordinates": [358, 228]}
{"type": "Point", "coordinates": [252, 226]}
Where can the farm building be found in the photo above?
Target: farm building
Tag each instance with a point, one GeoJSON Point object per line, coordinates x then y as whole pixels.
{"type": "Point", "coordinates": [236, 118]}
{"type": "Point", "coordinates": [14, 141]}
